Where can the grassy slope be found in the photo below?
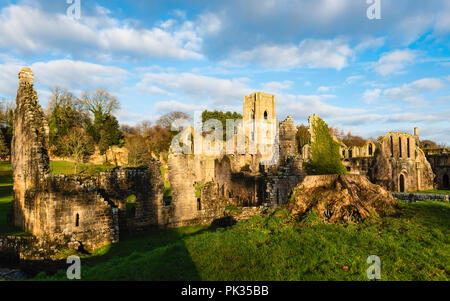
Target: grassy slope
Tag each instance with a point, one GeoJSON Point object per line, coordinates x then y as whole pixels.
{"type": "Point", "coordinates": [435, 191]}
{"type": "Point", "coordinates": [5, 197]}
{"type": "Point", "coordinates": [68, 168]}
{"type": "Point", "coordinates": [414, 246]}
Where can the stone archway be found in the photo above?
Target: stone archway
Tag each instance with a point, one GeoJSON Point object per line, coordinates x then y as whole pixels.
{"type": "Point", "coordinates": [445, 182]}
{"type": "Point", "coordinates": [402, 183]}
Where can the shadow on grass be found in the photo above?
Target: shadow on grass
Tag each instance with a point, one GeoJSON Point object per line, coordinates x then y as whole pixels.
{"type": "Point", "coordinates": [157, 255]}
{"type": "Point", "coordinates": [429, 213]}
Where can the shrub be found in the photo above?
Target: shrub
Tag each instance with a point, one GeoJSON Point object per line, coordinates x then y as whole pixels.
{"type": "Point", "coordinates": [325, 157]}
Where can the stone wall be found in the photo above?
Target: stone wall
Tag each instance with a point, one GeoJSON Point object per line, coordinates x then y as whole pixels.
{"type": "Point", "coordinates": [56, 209]}
{"type": "Point", "coordinates": [288, 143]}
{"type": "Point", "coordinates": [419, 197]}
{"type": "Point", "coordinates": [359, 165]}
{"type": "Point", "coordinates": [281, 182]}
{"type": "Point", "coordinates": [400, 165]}
{"type": "Point", "coordinates": [145, 184]}
{"type": "Point", "coordinates": [29, 156]}
{"type": "Point", "coordinates": [440, 163]}
{"type": "Point", "coordinates": [366, 150]}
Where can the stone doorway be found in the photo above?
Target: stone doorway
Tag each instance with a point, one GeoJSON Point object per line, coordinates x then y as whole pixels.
{"type": "Point", "coordinates": [445, 182]}
{"type": "Point", "coordinates": [402, 183]}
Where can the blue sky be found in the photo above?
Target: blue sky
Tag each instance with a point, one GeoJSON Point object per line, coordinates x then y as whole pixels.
{"type": "Point", "coordinates": [316, 56]}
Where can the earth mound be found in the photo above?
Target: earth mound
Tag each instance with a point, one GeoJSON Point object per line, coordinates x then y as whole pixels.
{"type": "Point", "coordinates": [341, 198]}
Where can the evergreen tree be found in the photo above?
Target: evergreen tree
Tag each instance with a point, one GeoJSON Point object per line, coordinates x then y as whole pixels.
{"type": "Point", "coordinates": [110, 134]}
{"type": "Point", "coordinates": [325, 157]}
{"type": "Point", "coordinates": [4, 150]}
{"type": "Point", "coordinates": [221, 116]}
{"type": "Point", "coordinates": [66, 113]}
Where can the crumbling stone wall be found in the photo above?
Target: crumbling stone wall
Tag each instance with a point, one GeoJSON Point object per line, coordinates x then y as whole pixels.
{"type": "Point", "coordinates": [367, 150]}
{"type": "Point", "coordinates": [145, 184]}
{"type": "Point", "coordinates": [282, 181]}
{"type": "Point", "coordinates": [420, 197]}
{"type": "Point", "coordinates": [359, 165]}
{"type": "Point", "coordinates": [400, 165]}
{"type": "Point", "coordinates": [197, 199]}
{"type": "Point", "coordinates": [56, 209]}
{"type": "Point", "coordinates": [29, 157]}
{"type": "Point", "coordinates": [288, 143]}
{"type": "Point", "coordinates": [440, 163]}
{"type": "Point", "coordinates": [73, 213]}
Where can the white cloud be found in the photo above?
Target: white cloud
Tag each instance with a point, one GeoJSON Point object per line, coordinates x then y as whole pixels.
{"type": "Point", "coordinates": [133, 118]}
{"type": "Point", "coordinates": [371, 96]}
{"type": "Point", "coordinates": [303, 106]}
{"type": "Point", "coordinates": [163, 107]}
{"type": "Point", "coordinates": [353, 78]}
{"type": "Point", "coordinates": [78, 75]}
{"type": "Point", "coordinates": [370, 43]}
{"type": "Point", "coordinates": [413, 92]}
{"type": "Point", "coordinates": [209, 24]}
{"type": "Point", "coordinates": [8, 79]}
{"type": "Point", "coordinates": [198, 87]}
{"type": "Point", "coordinates": [24, 29]}
{"type": "Point", "coordinates": [272, 87]}
{"type": "Point", "coordinates": [395, 61]}
{"type": "Point", "coordinates": [323, 89]}
{"type": "Point", "coordinates": [309, 53]}
{"type": "Point", "coordinates": [74, 75]}
{"type": "Point", "coordinates": [442, 25]}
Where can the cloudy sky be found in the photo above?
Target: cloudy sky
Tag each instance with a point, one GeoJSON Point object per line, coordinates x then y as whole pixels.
{"type": "Point", "coordinates": [316, 56]}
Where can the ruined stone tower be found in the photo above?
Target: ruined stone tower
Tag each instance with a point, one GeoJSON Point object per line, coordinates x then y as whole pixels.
{"type": "Point", "coordinates": [288, 143]}
{"type": "Point", "coordinates": [29, 157]}
{"type": "Point", "coordinates": [260, 124]}
{"type": "Point", "coordinates": [56, 209]}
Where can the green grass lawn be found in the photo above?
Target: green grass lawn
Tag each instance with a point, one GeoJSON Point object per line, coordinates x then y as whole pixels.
{"type": "Point", "coordinates": [68, 168]}
{"type": "Point", "coordinates": [6, 199]}
{"type": "Point", "coordinates": [434, 191]}
{"type": "Point", "coordinates": [412, 246]}
{"type": "Point", "coordinates": [167, 188]}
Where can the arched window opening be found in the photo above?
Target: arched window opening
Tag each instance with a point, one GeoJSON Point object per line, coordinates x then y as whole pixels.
{"type": "Point", "coordinates": [370, 149]}
{"type": "Point", "coordinates": [199, 204]}
{"type": "Point", "coordinates": [445, 182]}
{"type": "Point", "coordinates": [77, 220]}
{"type": "Point", "coordinates": [400, 146]}
{"type": "Point", "coordinates": [343, 153]}
{"type": "Point", "coordinates": [408, 148]}
{"type": "Point", "coordinates": [350, 153]}
{"type": "Point", "coordinates": [265, 115]}
{"type": "Point", "coordinates": [402, 183]}
{"type": "Point", "coordinates": [392, 147]}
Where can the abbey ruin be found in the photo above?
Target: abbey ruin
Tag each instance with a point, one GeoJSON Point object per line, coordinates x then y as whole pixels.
{"type": "Point", "coordinates": [90, 211]}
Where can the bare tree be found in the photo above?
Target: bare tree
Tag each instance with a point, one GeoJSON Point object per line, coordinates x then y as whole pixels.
{"type": "Point", "coordinates": [77, 145]}
{"type": "Point", "coordinates": [167, 120]}
{"type": "Point", "coordinates": [6, 108]}
{"type": "Point", "coordinates": [143, 127]}
{"type": "Point", "coordinates": [100, 102]}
